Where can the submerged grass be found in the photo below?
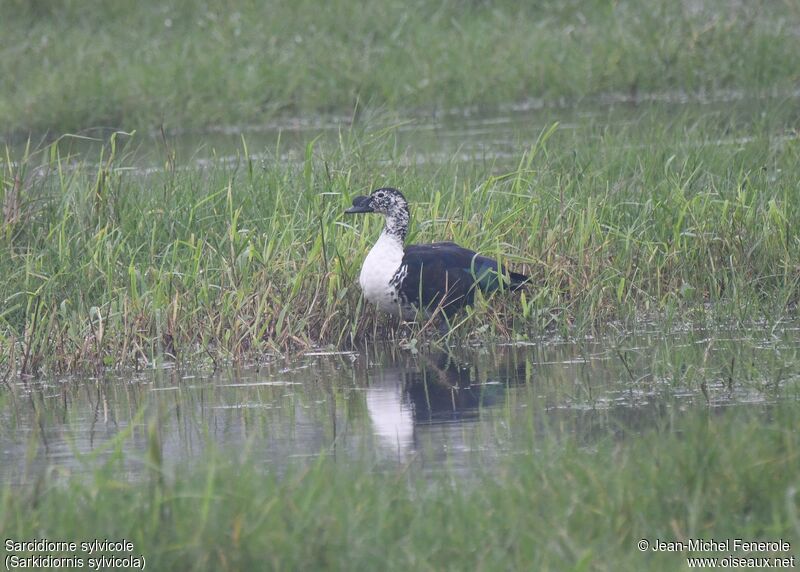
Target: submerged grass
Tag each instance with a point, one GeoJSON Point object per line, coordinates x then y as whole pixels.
{"type": "Point", "coordinates": [74, 65]}
{"type": "Point", "coordinates": [554, 506]}
{"type": "Point", "coordinates": [691, 216]}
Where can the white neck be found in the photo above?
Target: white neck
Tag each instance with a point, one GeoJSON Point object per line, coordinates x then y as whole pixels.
{"type": "Point", "coordinates": [387, 250]}
{"type": "Point", "coordinates": [396, 225]}
{"type": "Point", "coordinates": [380, 265]}
{"type": "Point", "coordinates": [390, 236]}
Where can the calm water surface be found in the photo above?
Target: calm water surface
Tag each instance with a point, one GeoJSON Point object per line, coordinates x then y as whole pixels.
{"type": "Point", "coordinates": [455, 409]}
{"type": "Point", "coordinates": [463, 135]}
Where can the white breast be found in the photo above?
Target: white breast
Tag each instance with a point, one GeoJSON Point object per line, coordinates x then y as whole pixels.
{"type": "Point", "coordinates": [379, 267]}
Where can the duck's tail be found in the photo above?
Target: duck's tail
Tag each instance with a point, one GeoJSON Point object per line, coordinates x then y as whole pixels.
{"type": "Point", "coordinates": [485, 271]}
{"type": "Point", "coordinates": [518, 280]}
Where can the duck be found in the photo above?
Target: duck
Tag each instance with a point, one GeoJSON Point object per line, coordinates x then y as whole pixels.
{"type": "Point", "coordinates": [408, 280]}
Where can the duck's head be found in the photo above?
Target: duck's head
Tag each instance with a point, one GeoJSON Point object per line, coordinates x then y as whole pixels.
{"type": "Point", "coordinates": [386, 201]}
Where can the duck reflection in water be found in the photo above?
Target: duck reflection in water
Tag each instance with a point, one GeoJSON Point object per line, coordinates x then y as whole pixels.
{"type": "Point", "coordinates": [432, 391]}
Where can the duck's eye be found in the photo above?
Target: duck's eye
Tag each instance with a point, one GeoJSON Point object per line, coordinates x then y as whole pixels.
{"type": "Point", "coordinates": [380, 195]}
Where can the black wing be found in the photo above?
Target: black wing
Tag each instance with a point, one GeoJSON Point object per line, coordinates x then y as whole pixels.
{"type": "Point", "coordinates": [447, 274]}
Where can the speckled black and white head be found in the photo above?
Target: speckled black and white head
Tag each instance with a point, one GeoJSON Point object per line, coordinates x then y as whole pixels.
{"type": "Point", "coordinates": [391, 204]}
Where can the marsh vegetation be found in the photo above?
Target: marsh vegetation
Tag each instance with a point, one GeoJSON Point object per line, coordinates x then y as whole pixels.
{"type": "Point", "coordinates": [187, 361]}
{"type": "Point", "coordinates": [672, 212]}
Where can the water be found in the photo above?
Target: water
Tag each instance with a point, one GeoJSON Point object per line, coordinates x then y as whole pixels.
{"type": "Point", "coordinates": [465, 135]}
{"type": "Point", "coordinates": [458, 409]}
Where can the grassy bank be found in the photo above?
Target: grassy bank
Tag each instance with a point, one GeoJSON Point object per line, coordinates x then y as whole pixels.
{"type": "Point", "coordinates": [73, 65]}
{"type": "Point", "coordinates": [555, 506]}
{"type": "Point", "coordinates": [685, 218]}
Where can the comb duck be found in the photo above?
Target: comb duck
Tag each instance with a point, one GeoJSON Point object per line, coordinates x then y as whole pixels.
{"type": "Point", "coordinates": [404, 280]}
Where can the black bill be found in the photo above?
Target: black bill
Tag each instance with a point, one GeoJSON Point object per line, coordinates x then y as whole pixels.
{"type": "Point", "coordinates": [360, 205]}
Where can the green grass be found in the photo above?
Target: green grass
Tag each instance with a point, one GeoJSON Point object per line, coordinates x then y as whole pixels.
{"type": "Point", "coordinates": [554, 506]}
{"type": "Point", "coordinates": [79, 64]}
{"type": "Point", "coordinates": [688, 217]}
